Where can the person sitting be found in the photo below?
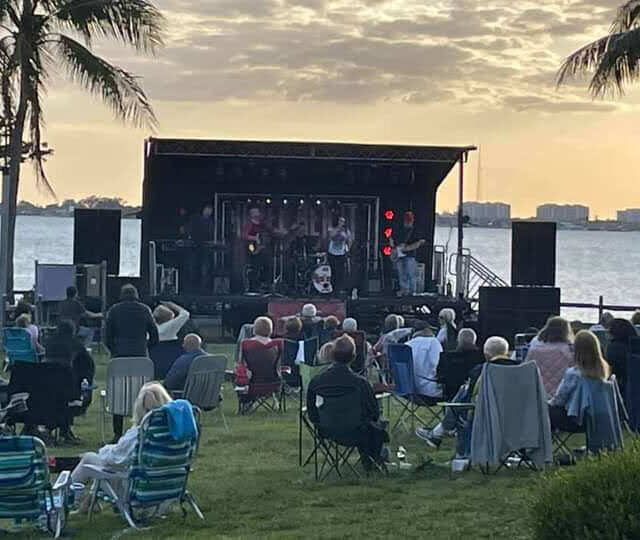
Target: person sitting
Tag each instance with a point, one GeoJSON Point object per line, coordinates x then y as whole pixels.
{"type": "Point", "coordinates": [448, 333]}
{"type": "Point", "coordinates": [337, 380]}
{"type": "Point", "coordinates": [635, 320]}
{"type": "Point", "coordinates": [350, 325]}
{"type": "Point", "coordinates": [24, 321]}
{"type": "Point", "coordinates": [170, 319]}
{"type": "Point", "coordinates": [620, 331]}
{"type": "Point", "coordinates": [177, 375]}
{"type": "Point", "coordinates": [130, 332]}
{"type": "Point", "coordinates": [118, 456]}
{"type": "Point", "coordinates": [426, 349]}
{"type": "Point", "coordinates": [589, 364]}
{"type": "Point", "coordinates": [74, 310]}
{"type": "Point", "coordinates": [293, 329]}
{"type": "Point", "coordinates": [461, 362]}
{"type": "Point", "coordinates": [605, 323]}
{"type": "Point", "coordinates": [552, 351]}
{"type": "Point", "coordinates": [311, 323]}
{"type": "Point", "coordinates": [496, 350]}
{"type": "Point", "coordinates": [392, 333]}
{"type": "Point", "coordinates": [329, 327]}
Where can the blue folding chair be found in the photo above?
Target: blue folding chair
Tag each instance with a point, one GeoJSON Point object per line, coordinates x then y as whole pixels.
{"type": "Point", "coordinates": [400, 358]}
{"type": "Point", "coordinates": [18, 346]}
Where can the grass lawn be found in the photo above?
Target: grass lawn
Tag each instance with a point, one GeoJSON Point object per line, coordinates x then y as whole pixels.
{"type": "Point", "coordinates": [249, 485]}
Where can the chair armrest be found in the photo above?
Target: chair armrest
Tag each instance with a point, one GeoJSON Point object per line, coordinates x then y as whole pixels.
{"type": "Point", "coordinates": [103, 473]}
{"type": "Point", "coordinates": [454, 405]}
{"type": "Point", "coordinates": [177, 394]}
{"type": "Point", "coordinates": [63, 481]}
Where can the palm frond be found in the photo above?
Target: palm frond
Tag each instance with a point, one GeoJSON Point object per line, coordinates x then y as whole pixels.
{"type": "Point", "coordinates": [614, 61]}
{"type": "Point", "coordinates": [119, 89]}
{"type": "Point", "coordinates": [627, 17]}
{"type": "Point", "coordinates": [134, 22]}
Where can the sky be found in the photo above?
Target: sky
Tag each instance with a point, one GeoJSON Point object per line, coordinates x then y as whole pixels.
{"type": "Point", "coordinates": [438, 72]}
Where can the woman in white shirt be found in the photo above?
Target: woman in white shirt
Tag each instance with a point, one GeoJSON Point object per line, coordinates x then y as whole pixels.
{"type": "Point", "coordinates": [118, 456]}
{"type": "Point", "coordinates": [170, 319]}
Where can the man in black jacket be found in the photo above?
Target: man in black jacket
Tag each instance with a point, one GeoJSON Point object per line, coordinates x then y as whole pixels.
{"type": "Point", "coordinates": [339, 380]}
{"type": "Point", "coordinates": [130, 332]}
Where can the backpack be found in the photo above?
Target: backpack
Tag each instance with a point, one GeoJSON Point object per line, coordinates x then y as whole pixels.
{"type": "Point", "coordinates": [241, 375]}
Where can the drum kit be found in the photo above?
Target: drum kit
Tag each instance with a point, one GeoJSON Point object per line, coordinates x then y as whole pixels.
{"type": "Point", "coordinates": [312, 270]}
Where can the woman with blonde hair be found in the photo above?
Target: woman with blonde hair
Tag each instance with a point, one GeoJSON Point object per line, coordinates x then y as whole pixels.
{"type": "Point", "coordinates": [151, 396]}
{"type": "Point", "coordinates": [552, 351]}
{"type": "Point", "coordinates": [589, 364]}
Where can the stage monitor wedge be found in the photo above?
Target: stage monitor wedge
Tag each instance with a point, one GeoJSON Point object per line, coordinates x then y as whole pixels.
{"type": "Point", "coordinates": [506, 311]}
{"type": "Point", "coordinates": [533, 253]}
{"type": "Point", "coordinates": [96, 238]}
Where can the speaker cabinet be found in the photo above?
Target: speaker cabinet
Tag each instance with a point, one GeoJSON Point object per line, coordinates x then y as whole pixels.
{"type": "Point", "coordinates": [96, 238]}
{"type": "Point", "coordinates": [506, 311]}
{"type": "Point", "coordinates": [533, 253]}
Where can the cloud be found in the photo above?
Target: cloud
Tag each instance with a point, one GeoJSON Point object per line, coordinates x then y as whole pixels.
{"type": "Point", "coordinates": [364, 51]}
{"type": "Point", "coordinates": [530, 103]}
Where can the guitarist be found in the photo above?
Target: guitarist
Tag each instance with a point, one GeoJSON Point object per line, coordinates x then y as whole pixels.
{"type": "Point", "coordinates": [257, 234]}
{"type": "Point", "coordinates": [404, 255]}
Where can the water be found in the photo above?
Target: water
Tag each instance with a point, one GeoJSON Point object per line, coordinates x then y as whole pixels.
{"type": "Point", "coordinates": [590, 264]}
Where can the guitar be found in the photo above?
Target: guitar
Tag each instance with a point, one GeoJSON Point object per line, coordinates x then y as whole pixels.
{"type": "Point", "coordinates": [402, 250]}
{"type": "Point", "coordinates": [263, 239]}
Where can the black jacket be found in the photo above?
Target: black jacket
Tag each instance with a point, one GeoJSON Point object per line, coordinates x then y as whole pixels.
{"type": "Point", "coordinates": [617, 355]}
{"type": "Point", "coordinates": [336, 380]}
{"type": "Point", "coordinates": [130, 329]}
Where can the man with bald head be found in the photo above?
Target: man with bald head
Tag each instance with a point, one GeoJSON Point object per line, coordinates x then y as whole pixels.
{"type": "Point", "coordinates": [177, 375]}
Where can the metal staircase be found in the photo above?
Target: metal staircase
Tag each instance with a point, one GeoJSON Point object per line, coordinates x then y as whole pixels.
{"type": "Point", "coordinates": [471, 274]}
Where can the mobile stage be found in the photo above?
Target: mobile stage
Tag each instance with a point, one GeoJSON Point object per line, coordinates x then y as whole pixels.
{"type": "Point", "coordinates": [301, 188]}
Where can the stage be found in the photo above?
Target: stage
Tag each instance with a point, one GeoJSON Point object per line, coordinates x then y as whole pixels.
{"type": "Point", "coordinates": [370, 311]}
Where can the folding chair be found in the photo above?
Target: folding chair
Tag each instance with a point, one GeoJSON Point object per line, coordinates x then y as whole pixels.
{"type": "Point", "coordinates": [204, 384]}
{"type": "Point", "coordinates": [18, 346]}
{"type": "Point", "coordinates": [560, 440]}
{"type": "Point", "coordinates": [26, 493]}
{"type": "Point", "coordinates": [125, 378]}
{"type": "Point", "coordinates": [265, 386]}
{"type": "Point", "coordinates": [337, 435]}
{"type": "Point", "coordinates": [163, 355]}
{"type": "Point", "coordinates": [400, 359]}
{"type": "Point", "coordinates": [307, 373]}
{"type": "Point", "coordinates": [158, 474]}
{"type": "Point", "coordinates": [454, 368]}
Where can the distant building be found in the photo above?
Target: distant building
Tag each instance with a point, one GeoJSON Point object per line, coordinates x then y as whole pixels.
{"type": "Point", "coordinates": [487, 211]}
{"type": "Point", "coordinates": [631, 215]}
{"type": "Point", "coordinates": [569, 213]}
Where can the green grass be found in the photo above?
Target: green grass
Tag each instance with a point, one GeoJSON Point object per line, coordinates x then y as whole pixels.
{"type": "Point", "coordinates": [249, 485]}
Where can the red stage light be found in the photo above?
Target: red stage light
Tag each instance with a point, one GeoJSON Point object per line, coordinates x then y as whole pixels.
{"type": "Point", "coordinates": [388, 232]}
{"type": "Point", "coordinates": [389, 215]}
{"type": "Point", "coordinates": [387, 250]}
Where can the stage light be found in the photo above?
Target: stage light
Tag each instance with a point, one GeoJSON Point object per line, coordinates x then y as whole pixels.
{"type": "Point", "coordinates": [301, 201]}
{"type": "Point", "coordinates": [268, 201]}
{"type": "Point", "coordinates": [387, 251]}
{"type": "Point", "coordinates": [285, 201]}
{"type": "Point", "coordinates": [389, 215]}
{"type": "Point", "coordinates": [318, 202]}
{"type": "Point", "coordinates": [388, 232]}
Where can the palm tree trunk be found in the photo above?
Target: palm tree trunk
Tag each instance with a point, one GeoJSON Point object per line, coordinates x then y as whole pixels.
{"type": "Point", "coordinates": [15, 161]}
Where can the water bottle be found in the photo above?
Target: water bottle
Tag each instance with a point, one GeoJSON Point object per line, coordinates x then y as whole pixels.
{"type": "Point", "coordinates": [449, 289]}
{"type": "Point", "coordinates": [354, 294]}
{"type": "Point", "coordinates": [84, 385]}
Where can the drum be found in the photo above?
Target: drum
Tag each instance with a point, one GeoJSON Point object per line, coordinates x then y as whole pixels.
{"type": "Point", "coordinates": [321, 279]}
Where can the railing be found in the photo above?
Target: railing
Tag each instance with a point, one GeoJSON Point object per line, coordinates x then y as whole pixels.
{"type": "Point", "coordinates": [471, 274]}
{"type": "Point", "coordinates": [600, 306]}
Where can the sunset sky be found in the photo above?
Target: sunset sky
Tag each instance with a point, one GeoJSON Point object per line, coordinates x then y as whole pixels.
{"type": "Point", "coordinates": [392, 71]}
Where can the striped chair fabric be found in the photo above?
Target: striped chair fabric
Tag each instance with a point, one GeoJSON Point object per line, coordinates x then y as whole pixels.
{"type": "Point", "coordinates": [161, 465]}
{"type": "Point", "coordinates": [125, 377]}
{"type": "Point", "coordinates": [24, 478]}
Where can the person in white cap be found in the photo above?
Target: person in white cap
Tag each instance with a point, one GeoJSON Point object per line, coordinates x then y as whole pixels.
{"type": "Point", "coordinates": [310, 321]}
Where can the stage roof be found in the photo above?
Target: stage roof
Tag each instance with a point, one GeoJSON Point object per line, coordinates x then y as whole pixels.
{"type": "Point", "coordinates": [308, 150]}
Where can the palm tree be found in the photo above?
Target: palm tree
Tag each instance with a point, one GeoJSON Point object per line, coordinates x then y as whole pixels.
{"type": "Point", "coordinates": [614, 59]}
{"type": "Point", "coordinates": [39, 35]}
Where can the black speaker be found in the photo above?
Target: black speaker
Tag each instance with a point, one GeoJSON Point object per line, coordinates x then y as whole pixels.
{"type": "Point", "coordinates": [96, 238]}
{"type": "Point", "coordinates": [507, 311]}
{"type": "Point", "coordinates": [533, 253]}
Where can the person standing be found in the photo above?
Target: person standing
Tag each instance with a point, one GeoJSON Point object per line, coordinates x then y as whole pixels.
{"type": "Point", "coordinates": [200, 231]}
{"type": "Point", "coordinates": [405, 255]}
{"type": "Point", "coordinates": [340, 240]}
{"type": "Point", "coordinates": [258, 235]}
{"type": "Point", "coordinates": [73, 310]}
{"type": "Point", "coordinates": [130, 332]}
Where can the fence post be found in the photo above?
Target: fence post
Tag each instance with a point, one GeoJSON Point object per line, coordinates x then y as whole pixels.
{"type": "Point", "coordinates": [600, 307]}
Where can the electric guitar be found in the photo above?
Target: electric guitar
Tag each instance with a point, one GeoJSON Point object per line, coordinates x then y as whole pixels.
{"type": "Point", "coordinates": [402, 250]}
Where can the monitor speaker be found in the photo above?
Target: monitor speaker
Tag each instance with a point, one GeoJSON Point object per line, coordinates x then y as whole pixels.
{"type": "Point", "coordinates": [96, 238]}
{"type": "Point", "coordinates": [506, 311]}
{"type": "Point", "coordinates": [533, 253]}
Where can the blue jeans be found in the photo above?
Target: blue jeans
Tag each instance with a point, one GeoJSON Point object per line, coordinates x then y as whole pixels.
{"type": "Point", "coordinates": [461, 421]}
{"type": "Point", "coordinates": [407, 268]}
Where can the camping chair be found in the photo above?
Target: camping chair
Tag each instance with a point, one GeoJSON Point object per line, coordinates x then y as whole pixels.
{"type": "Point", "coordinates": [158, 473]}
{"type": "Point", "coordinates": [26, 492]}
{"type": "Point", "coordinates": [338, 433]}
{"type": "Point", "coordinates": [265, 386]}
{"type": "Point", "coordinates": [204, 384]}
{"type": "Point", "coordinates": [125, 378]}
{"type": "Point", "coordinates": [295, 353]}
{"type": "Point", "coordinates": [51, 389]}
{"type": "Point", "coordinates": [163, 355]}
{"type": "Point", "coordinates": [511, 419]}
{"type": "Point", "coordinates": [18, 346]}
{"type": "Point", "coordinates": [404, 391]}
{"type": "Point", "coordinates": [307, 373]}
{"type": "Point", "coordinates": [454, 369]}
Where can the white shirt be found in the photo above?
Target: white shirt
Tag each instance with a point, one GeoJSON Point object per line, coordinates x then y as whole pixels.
{"type": "Point", "coordinates": [168, 331]}
{"type": "Point", "coordinates": [121, 452]}
{"type": "Point", "coordinates": [426, 357]}
{"type": "Point", "coordinates": [442, 335]}
{"type": "Point", "coordinates": [339, 244]}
